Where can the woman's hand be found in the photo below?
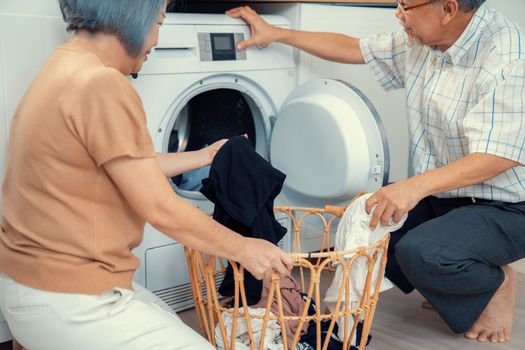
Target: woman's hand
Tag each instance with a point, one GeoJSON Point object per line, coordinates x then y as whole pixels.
{"type": "Point", "coordinates": [261, 258]}
{"type": "Point", "coordinates": [263, 34]}
{"type": "Point", "coordinates": [212, 149]}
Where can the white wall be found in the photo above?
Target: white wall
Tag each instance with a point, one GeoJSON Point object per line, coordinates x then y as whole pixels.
{"type": "Point", "coordinates": [25, 43]}
{"type": "Point", "coordinates": [514, 9]}
{"type": "Point", "coordinates": [30, 7]}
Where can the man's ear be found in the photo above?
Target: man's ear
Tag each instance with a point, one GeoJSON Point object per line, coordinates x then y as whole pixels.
{"type": "Point", "coordinates": [449, 10]}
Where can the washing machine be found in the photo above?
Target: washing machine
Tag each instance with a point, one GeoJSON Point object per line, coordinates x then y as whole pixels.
{"type": "Point", "coordinates": [325, 135]}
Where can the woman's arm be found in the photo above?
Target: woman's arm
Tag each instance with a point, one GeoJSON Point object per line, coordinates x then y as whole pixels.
{"type": "Point", "coordinates": [176, 163]}
{"type": "Point", "coordinates": [156, 202]}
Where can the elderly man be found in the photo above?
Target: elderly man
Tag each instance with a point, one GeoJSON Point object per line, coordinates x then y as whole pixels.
{"type": "Point", "coordinates": [463, 68]}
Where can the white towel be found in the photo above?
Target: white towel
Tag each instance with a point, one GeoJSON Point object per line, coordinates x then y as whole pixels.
{"type": "Point", "coordinates": [353, 232]}
{"type": "Point", "coordinates": [242, 340]}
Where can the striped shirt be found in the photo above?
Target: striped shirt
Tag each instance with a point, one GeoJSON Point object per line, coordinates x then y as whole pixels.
{"type": "Point", "coordinates": [468, 99]}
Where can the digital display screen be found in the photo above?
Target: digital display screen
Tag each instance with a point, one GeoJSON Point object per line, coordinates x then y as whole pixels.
{"type": "Point", "coordinates": [223, 46]}
{"type": "Point", "coordinates": [223, 42]}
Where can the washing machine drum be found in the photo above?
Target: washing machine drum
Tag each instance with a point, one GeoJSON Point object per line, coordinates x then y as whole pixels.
{"type": "Point", "coordinates": [329, 141]}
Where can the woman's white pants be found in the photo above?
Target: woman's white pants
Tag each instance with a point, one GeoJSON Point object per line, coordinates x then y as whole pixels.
{"type": "Point", "coordinates": [116, 320]}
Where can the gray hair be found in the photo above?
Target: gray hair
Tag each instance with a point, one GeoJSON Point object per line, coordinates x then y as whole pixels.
{"type": "Point", "coordinates": [130, 20]}
{"type": "Point", "coordinates": [468, 5]}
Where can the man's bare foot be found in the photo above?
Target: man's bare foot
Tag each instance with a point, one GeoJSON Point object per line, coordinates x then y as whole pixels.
{"type": "Point", "coordinates": [495, 322]}
{"type": "Point", "coordinates": [425, 304]}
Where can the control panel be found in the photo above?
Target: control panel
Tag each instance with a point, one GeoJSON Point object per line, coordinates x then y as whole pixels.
{"type": "Point", "coordinates": [220, 46]}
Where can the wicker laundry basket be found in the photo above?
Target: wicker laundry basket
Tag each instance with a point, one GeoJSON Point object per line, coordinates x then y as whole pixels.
{"type": "Point", "coordinates": [310, 269]}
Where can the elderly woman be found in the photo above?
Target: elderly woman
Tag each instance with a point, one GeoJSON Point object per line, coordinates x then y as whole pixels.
{"type": "Point", "coordinates": [82, 178]}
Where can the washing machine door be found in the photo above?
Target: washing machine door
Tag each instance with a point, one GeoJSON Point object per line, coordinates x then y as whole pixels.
{"type": "Point", "coordinates": [329, 141]}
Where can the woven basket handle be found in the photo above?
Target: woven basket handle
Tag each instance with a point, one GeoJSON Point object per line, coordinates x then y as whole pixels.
{"type": "Point", "coordinates": [340, 210]}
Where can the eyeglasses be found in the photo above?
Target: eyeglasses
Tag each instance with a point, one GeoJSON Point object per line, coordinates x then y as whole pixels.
{"type": "Point", "coordinates": [404, 8]}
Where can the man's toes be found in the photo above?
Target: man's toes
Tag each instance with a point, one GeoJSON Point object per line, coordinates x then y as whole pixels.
{"type": "Point", "coordinates": [484, 336]}
{"type": "Point", "coordinates": [494, 337]}
{"type": "Point", "coordinates": [506, 334]}
{"type": "Point", "coordinates": [471, 335]}
{"type": "Point", "coordinates": [501, 336]}
{"type": "Point", "coordinates": [425, 304]}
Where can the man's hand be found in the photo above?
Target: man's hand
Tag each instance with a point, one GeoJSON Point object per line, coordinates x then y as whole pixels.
{"type": "Point", "coordinates": [395, 200]}
{"type": "Point", "coordinates": [263, 34]}
{"type": "Point", "coordinates": [392, 202]}
{"type": "Point", "coordinates": [261, 257]}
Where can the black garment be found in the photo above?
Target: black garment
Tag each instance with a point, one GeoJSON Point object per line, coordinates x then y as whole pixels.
{"type": "Point", "coordinates": [243, 186]}
{"type": "Point", "coordinates": [335, 343]}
